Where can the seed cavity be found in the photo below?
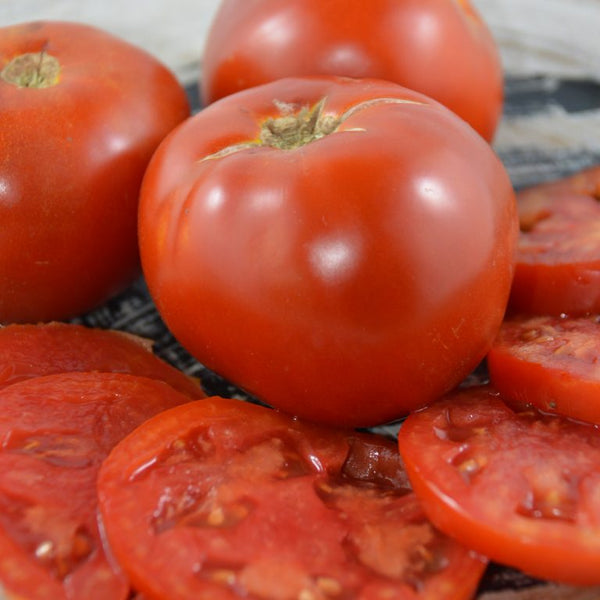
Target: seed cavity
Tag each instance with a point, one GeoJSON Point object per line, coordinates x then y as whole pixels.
{"type": "Point", "coordinates": [551, 495]}
{"type": "Point", "coordinates": [469, 463]}
{"type": "Point", "coordinates": [68, 450]}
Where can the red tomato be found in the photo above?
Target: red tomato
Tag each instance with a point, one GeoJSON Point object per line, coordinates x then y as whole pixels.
{"type": "Point", "coordinates": [521, 488]}
{"type": "Point", "coordinates": [55, 432]}
{"type": "Point", "coordinates": [441, 48]}
{"type": "Point", "coordinates": [342, 249]}
{"type": "Point", "coordinates": [81, 112]}
{"type": "Point", "coordinates": [224, 499]}
{"type": "Point", "coordinates": [558, 262]}
{"type": "Point", "coordinates": [33, 350]}
{"type": "Point", "coordinates": [550, 362]}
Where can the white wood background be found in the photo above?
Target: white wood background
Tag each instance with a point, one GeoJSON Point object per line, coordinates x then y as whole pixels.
{"type": "Point", "coordinates": [554, 37]}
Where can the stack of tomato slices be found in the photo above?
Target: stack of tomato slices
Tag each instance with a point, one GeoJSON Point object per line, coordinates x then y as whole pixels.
{"type": "Point", "coordinates": [117, 474]}
{"type": "Point", "coordinates": [68, 394]}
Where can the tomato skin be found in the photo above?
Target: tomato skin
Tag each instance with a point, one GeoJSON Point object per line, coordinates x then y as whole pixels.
{"type": "Point", "coordinates": [558, 260]}
{"type": "Point", "coordinates": [28, 351]}
{"type": "Point", "coordinates": [56, 430]}
{"type": "Point", "coordinates": [440, 48]}
{"type": "Point", "coordinates": [550, 363]}
{"type": "Point", "coordinates": [348, 280]}
{"type": "Point", "coordinates": [222, 499]}
{"type": "Point", "coordinates": [521, 488]}
{"type": "Point", "coordinates": [73, 157]}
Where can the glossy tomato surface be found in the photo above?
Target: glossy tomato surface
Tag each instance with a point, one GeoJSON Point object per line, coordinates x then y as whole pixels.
{"type": "Point", "coordinates": [522, 488]}
{"type": "Point", "coordinates": [558, 260]}
{"type": "Point", "coordinates": [81, 112]}
{"type": "Point", "coordinates": [441, 48]}
{"type": "Point", "coordinates": [342, 249]}
{"type": "Point", "coordinates": [55, 432]}
{"type": "Point", "coordinates": [28, 350]}
{"type": "Point", "coordinates": [550, 362]}
{"type": "Point", "coordinates": [223, 499]}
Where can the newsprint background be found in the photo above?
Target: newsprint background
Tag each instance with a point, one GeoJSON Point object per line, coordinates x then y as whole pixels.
{"type": "Point", "coordinates": [551, 127]}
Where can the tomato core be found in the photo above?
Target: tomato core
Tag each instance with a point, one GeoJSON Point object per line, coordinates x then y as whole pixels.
{"type": "Point", "coordinates": [32, 70]}
{"type": "Point", "coordinates": [294, 129]}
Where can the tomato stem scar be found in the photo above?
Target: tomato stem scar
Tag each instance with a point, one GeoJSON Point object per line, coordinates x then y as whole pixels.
{"type": "Point", "coordinates": [292, 130]}
{"type": "Point", "coordinates": [32, 70]}
{"type": "Point", "coordinates": [296, 127]}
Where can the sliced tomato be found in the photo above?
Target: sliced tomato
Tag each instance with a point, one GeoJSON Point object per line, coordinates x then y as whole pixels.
{"type": "Point", "coordinates": [558, 259]}
{"type": "Point", "coordinates": [222, 499]}
{"type": "Point", "coordinates": [586, 182]}
{"type": "Point", "coordinates": [42, 349]}
{"type": "Point", "coordinates": [550, 362]}
{"type": "Point", "coordinates": [54, 433]}
{"type": "Point", "coordinates": [521, 488]}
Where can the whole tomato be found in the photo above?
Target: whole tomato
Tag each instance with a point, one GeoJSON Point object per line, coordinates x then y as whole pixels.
{"type": "Point", "coordinates": [342, 249]}
{"type": "Point", "coordinates": [81, 113]}
{"type": "Point", "coordinates": [441, 48]}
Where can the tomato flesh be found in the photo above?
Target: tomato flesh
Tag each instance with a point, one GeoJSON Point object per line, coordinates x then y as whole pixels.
{"type": "Point", "coordinates": [551, 363]}
{"type": "Point", "coordinates": [521, 488]}
{"type": "Point", "coordinates": [45, 348]}
{"type": "Point", "coordinates": [558, 259]}
{"type": "Point", "coordinates": [55, 432]}
{"type": "Point", "coordinates": [225, 499]}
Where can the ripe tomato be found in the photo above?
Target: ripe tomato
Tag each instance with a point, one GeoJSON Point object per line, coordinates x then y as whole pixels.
{"type": "Point", "coordinates": [81, 112]}
{"type": "Point", "coordinates": [223, 499]}
{"type": "Point", "coordinates": [342, 249]}
{"type": "Point", "coordinates": [549, 362]}
{"type": "Point", "coordinates": [558, 261]}
{"type": "Point", "coordinates": [441, 48]}
{"type": "Point", "coordinates": [55, 432]}
{"type": "Point", "coordinates": [521, 488]}
{"type": "Point", "coordinates": [34, 350]}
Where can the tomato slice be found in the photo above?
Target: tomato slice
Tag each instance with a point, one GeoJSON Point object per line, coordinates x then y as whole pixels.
{"type": "Point", "coordinates": [226, 499]}
{"type": "Point", "coordinates": [55, 431]}
{"type": "Point", "coordinates": [558, 258]}
{"type": "Point", "coordinates": [586, 182]}
{"type": "Point", "coordinates": [42, 349]}
{"type": "Point", "coordinates": [521, 488]}
{"type": "Point", "coordinates": [550, 362]}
